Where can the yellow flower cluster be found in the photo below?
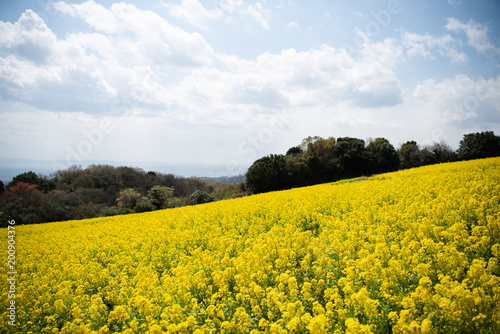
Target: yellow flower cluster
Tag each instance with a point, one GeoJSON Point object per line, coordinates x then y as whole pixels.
{"type": "Point", "coordinates": [416, 251]}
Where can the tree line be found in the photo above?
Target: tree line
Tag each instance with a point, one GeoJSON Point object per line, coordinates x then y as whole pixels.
{"type": "Point", "coordinates": [318, 160]}
{"type": "Point", "coordinates": [103, 190]}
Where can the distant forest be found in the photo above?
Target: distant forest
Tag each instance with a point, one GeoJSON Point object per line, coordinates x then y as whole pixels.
{"type": "Point", "coordinates": [318, 160]}
{"type": "Point", "coordinates": [102, 190]}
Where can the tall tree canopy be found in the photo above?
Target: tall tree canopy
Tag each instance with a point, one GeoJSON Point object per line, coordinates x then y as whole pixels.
{"type": "Point", "coordinates": [479, 145]}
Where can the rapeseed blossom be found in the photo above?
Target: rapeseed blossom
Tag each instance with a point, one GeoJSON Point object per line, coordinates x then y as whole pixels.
{"type": "Point", "coordinates": [416, 251]}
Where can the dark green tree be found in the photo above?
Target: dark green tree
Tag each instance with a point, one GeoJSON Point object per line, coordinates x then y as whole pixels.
{"type": "Point", "coordinates": [351, 156]}
{"type": "Point", "coordinates": [442, 152]}
{"type": "Point", "coordinates": [382, 156]}
{"type": "Point", "coordinates": [294, 150]}
{"type": "Point", "coordinates": [427, 157]}
{"type": "Point", "coordinates": [101, 177]}
{"type": "Point", "coordinates": [267, 174]}
{"type": "Point", "coordinates": [66, 179]}
{"type": "Point", "coordinates": [318, 147]}
{"type": "Point", "coordinates": [201, 196]}
{"type": "Point", "coordinates": [62, 205]}
{"type": "Point", "coordinates": [161, 196]}
{"type": "Point", "coordinates": [23, 203]}
{"type": "Point", "coordinates": [409, 155]}
{"type": "Point", "coordinates": [320, 159]}
{"type": "Point", "coordinates": [479, 145]}
{"type": "Point", "coordinates": [150, 180]}
{"type": "Point", "coordinates": [32, 178]}
{"type": "Point", "coordinates": [128, 198]}
{"type": "Point", "coordinates": [27, 177]}
{"type": "Point", "coordinates": [298, 171]}
{"type": "Point", "coordinates": [143, 205]}
{"type": "Point", "coordinates": [133, 178]}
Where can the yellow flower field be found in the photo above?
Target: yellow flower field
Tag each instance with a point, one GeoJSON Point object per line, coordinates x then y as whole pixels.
{"type": "Point", "coordinates": [416, 251]}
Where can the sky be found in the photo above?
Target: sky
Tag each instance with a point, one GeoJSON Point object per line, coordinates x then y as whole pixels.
{"type": "Point", "coordinates": [225, 82]}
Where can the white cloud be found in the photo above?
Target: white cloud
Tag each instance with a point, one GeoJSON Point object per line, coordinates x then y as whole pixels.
{"type": "Point", "coordinates": [424, 45]}
{"type": "Point", "coordinates": [348, 120]}
{"type": "Point", "coordinates": [145, 34]}
{"type": "Point", "coordinates": [196, 14]}
{"type": "Point", "coordinates": [243, 90]}
{"type": "Point", "coordinates": [24, 74]}
{"type": "Point", "coordinates": [477, 35]}
{"type": "Point", "coordinates": [90, 71]}
{"type": "Point", "coordinates": [260, 14]}
{"type": "Point", "coordinates": [427, 45]}
{"type": "Point", "coordinates": [97, 16]}
{"type": "Point", "coordinates": [29, 38]}
{"type": "Point", "coordinates": [321, 76]}
{"type": "Point", "coordinates": [388, 52]}
{"type": "Point", "coordinates": [460, 99]}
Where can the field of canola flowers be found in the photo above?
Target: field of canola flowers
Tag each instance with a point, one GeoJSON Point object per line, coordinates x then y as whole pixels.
{"type": "Point", "coordinates": [416, 251]}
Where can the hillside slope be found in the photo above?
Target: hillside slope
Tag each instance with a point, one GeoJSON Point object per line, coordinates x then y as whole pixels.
{"type": "Point", "coordinates": [412, 251]}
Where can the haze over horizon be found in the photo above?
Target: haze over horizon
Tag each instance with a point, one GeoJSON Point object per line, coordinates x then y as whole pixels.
{"type": "Point", "coordinates": [225, 82]}
{"type": "Point", "coordinates": [13, 167]}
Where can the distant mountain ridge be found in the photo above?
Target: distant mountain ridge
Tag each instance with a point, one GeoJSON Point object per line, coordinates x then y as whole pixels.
{"type": "Point", "coordinates": [226, 179]}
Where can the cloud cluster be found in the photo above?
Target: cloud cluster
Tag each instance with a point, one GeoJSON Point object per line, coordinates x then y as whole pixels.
{"type": "Point", "coordinates": [136, 63]}
{"type": "Point", "coordinates": [138, 53]}
{"type": "Point", "coordinates": [87, 71]}
{"type": "Point", "coordinates": [456, 100]}
{"type": "Point", "coordinates": [157, 66]}
{"type": "Point", "coordinates": [449, 46]}
{"type": "Point", "coordinates": [477, 35]}
{"type": "Point", "coordinates": [424, 45]}
{"type": "Point", "coordinates": [196, 14]}
{"type": "Point", "coordinates": [142, 36]}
